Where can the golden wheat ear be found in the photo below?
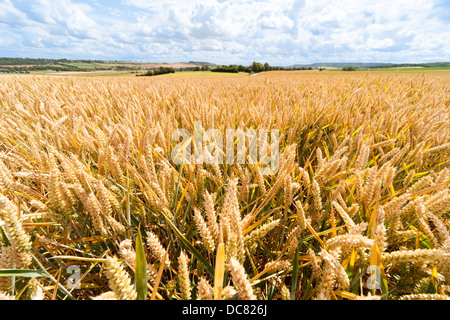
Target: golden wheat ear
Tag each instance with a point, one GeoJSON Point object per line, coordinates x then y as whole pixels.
{"type": "Point", "coordinates": [220, 267]}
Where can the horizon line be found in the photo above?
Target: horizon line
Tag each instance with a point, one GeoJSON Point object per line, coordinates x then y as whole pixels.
{"type": "Point", "coordinates": [205, 61]}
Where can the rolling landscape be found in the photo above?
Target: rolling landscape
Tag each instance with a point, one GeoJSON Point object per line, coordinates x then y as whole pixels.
{"type": "Point", "coordinates": [227, 170]}
{"type": "Point", "coordinates": [127, 68]}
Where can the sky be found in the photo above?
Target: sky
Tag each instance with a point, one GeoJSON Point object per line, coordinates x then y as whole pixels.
{"type": "Point", "coordinates": [228, 32]}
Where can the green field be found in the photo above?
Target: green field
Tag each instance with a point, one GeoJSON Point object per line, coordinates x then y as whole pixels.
{"type": "Point", "coordinates": [394, 69]}
{"type": "Point", "coordinates": [405, 69]}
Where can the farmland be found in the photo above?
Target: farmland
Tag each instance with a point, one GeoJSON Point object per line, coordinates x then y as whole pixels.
{"type": "Point", "coordinates": [358, 207]}
{"type": "Point", "coordinates": [81, 67]}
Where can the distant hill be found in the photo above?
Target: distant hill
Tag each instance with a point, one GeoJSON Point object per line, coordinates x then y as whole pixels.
{"type": "Point", "coordinates": [201, 63]}
{"type": "Point", "coordinates": [340, 65]}
{"type": "Point", "coordinates": [27, 65]}
{"type": "Point", "coordinates": [38, 62]}
{"type": "Point", "coordinates": [425, 65]}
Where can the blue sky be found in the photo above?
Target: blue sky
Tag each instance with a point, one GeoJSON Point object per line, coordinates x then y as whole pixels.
{"type": "Point", "coordinates": [279, 32]}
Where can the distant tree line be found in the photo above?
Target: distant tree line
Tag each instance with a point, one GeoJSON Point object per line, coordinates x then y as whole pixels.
{"type": "Point", "coordinates": [348, 69]}
{"type": "Point", "coordinates": [255, 67]}
{"type": "Point", "coordinates": [195, 69]}
{"type": "Point", "coordinates": [230, 69]}
{"type": "Point", "coordinates": [28, 61]}
{"type": "Point", "coordinates": [38, 68]}
{"type": "Point", "coordinates": [157, 72]}
{"type": "Point", "coordinates": [295, 68]}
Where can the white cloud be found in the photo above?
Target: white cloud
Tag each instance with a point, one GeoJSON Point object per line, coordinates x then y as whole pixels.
{"type": "Point", "coordinates": [236, 31]}
{"type": "Point", "coordinates": [11, 16]}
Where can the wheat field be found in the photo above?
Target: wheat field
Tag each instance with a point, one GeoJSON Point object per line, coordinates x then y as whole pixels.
{"type": "Point", "coordinates": [359, 208]}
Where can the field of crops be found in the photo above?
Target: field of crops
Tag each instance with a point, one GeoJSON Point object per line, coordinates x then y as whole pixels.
{"type": "Point", "coordinates": [92, 205]}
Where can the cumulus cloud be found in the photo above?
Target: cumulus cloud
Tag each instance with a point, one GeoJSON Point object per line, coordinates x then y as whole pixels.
{"type": "Point", "coordinates": [11, 16]}
{"type": "Point", "coordinates": [235, 31]}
